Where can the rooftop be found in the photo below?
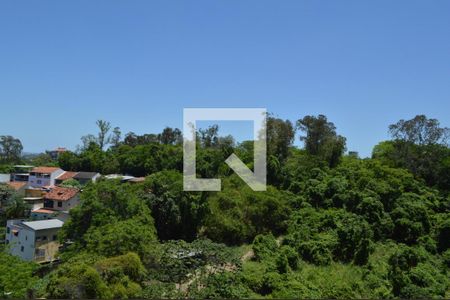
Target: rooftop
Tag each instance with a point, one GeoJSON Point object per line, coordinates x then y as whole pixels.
{"type": "Point", "coordinates": [61, 193]}
{"type": "Point", "coordinates": [66, 175]}
{"type": "Point", "coordinates": [85, 175]}
{"type": "Point", "coordinates": [17, 185]}
{"type": "Point", "coordinates": [44, 211]}
{"type": "Point", "coordinates": [44, 224]}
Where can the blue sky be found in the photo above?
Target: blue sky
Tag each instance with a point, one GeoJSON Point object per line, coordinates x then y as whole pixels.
{"type": "Point", "coordinates": [364, 64]}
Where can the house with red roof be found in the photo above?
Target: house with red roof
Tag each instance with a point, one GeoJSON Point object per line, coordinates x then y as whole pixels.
{"type": "Point", "coordinates": [62, 198]}
{"type": "Point", "coordinates": [44, 176]}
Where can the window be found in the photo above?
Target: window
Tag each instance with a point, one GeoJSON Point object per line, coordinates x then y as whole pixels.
{"type": "Point", "coordinates": [26, 238]}
{"type": "Point", "coordinates": [8, 230]}
{"type": "Point", "coordinates": [44, 238]}
{"type": "Point", "coordinates": [39, 182]}
{"type": "Point", "coordinates": [21, 248]}
{"type": "Point", "coordinates": [55, 237]}
{"type": "Point", "coordinates": [7, 242]}
{"type": "Point", "coordinates": [59, 204]}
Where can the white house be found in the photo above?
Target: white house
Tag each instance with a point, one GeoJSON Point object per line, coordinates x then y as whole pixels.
{"type": "Point", "coordinates": [33, 240]}
{"type": "Point", "coordinates": [44, 176]}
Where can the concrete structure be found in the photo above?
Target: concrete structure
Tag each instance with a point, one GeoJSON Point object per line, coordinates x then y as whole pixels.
{"type": "Point", "coordinates": [34, 197]}
{"type": "Point", "coordinates": [62, 198]}
{"type": "Point", "coordinates": [34, 240]}
{"type": "Point", "coordinates": [86, 177]}
{"type": "Point", "coordinates": [21, 173]}
{"type": "Point", "coordinates": [44, 176]}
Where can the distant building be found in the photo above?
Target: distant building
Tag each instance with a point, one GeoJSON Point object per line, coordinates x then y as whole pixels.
{"type": "Point", "coordinates": [34, 240]}
{"type": "Point", "coordinates": [62, 198]}
{"type": "Point", "coordinates": [86, 177]}
{"type": "Point", "coordinates": [54, 154]}
{"type": "Point", "coordinates": [44, 176]}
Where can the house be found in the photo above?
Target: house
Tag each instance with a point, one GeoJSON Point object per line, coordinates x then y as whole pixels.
{"type": "Point", "coordinates": [21, 173]}
{"type": "Point", "coordinates": [44, 176]}
{"type": "Point", "coordinates": [18, 186]}
{"type": "Point", "coordinates": [64, 176]}
{"type": "Point", "coordinates": [62, 198]}
{"type": "Point", "coordinates": [54, 154]}
{"type": "Point", "coordinates": [86, 177]}
{"type": "Point", "coordinates": [34, 240]}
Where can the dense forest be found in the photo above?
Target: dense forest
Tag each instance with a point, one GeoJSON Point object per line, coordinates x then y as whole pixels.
{"type": "Point", "coordinates": [330, 225]}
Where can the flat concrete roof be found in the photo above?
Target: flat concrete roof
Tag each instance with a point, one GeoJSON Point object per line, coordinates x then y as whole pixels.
{"type": "Point", "coordinates": [44, 224]}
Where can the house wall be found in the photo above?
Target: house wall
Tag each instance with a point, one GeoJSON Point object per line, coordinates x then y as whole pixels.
{"type": "Point", "coordinates": [36, 181]}
{"type": "Point", "coordinates": [25, 238]}
{"type": "Point", "coordinates": [65, 205]}
{"type": "Point", "coordinates": [46, 249]}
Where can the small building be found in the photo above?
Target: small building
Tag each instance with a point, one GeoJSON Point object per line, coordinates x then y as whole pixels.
{"type": "Point", "coordinates": [64, 176]}
{"type": "Point", "coordinates": [54, 154]}
{"type": "Point", "coordinates": [86, 177]}
{"type": "Point", "coordinates": [44, 176]}
{"type": "Point", "coordinates": [62, 198]}
{"type": "Point", "coordinates": [34, 240]}
{"type": "Point", "coordinates": [21, 173]}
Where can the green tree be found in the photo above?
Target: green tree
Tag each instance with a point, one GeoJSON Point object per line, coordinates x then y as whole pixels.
{"type": "Point", "coordinates": [321, 138]}
{"type": "Point", "coordinates": [10, 149]}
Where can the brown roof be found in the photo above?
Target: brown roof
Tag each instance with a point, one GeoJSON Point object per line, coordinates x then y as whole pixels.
{"type": "Point", "coordinates": [66, 175]}
{"type": "Point", "coordinates": [44, 169]}
{"type": "Point", "coordinates": [17, 185]}
{"type": "Point", "coordinates": [61, 193]}
{"type": "Point", "coordinates": [44, 211]}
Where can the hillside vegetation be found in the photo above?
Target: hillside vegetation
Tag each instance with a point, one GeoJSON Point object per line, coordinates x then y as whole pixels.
{"type": "Point", "coordinates": [330, 225]}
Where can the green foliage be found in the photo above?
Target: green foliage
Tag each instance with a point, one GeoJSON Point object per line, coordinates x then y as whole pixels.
{"type": "Point", "coordinates": [414, 274]}
{"type": "Point", "coordinates": [238, 214]}
{"type": "Point", "coordinates": [177, 214]}
{"type": "Point", "coordinates": [109, 278]}
{"type": "Point", "coordinates": [71, 183]}
{"type": "Point", "coordinates": [16, 276]}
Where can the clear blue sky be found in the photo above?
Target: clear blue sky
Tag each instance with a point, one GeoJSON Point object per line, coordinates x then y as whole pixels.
{"type": "Point", "coordinates": [364, 64]}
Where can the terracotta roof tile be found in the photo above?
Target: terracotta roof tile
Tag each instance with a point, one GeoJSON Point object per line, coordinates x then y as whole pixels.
{"type": "Point", "coordinates": [61, 193]}
{"type": "Point", "coordinates": [17, 185]}
{"type": "Point", "coordinates": [66, 175]}
{"type": "Point", "coordinates": [44, 211]}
